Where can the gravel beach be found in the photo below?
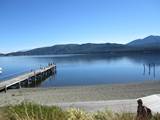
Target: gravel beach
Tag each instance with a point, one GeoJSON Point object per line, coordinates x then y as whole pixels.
{"type": "Point", "coordinates": [91, 98]}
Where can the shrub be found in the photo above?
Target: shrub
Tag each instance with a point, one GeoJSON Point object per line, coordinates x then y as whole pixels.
{"type": "Point", "coordinates": [107, 115]}
{"type": "Point", "coordinates": [30, 111]}
{"type": "Point", "coordinates": [77, 114]}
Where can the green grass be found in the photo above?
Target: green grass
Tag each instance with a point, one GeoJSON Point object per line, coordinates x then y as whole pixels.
{"type": "Point", "coordinates": [31, 111]}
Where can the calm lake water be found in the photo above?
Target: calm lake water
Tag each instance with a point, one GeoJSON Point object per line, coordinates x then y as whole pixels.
{"type": "Point", "coordinates": [86, 69]}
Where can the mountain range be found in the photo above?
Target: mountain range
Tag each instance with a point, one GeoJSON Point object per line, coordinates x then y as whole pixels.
{"type": "Point", "coordinates": [148, 44]}
{"type": "Point", "coordinates": [150, 41]}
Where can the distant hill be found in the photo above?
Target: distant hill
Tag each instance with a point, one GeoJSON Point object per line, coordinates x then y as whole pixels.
{"type": "Point", "coordinates": [72, 49]}
{"type": "Point", "coordinates": [150, 41]}
{"type": "Point", "coordinates": [148, 44]}
{"type": "Point", "coordinates": [1, 54]}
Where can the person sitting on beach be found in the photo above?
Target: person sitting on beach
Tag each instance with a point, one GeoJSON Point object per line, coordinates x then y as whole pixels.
{"type": "Point", "coordinates": [143, 113]}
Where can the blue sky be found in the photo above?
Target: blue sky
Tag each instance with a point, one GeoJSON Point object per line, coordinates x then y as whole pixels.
{"type": "Point", "coordinates": [27, 24]}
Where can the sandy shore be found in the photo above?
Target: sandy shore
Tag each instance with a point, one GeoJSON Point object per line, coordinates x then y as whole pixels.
{"type": "Point", "coordinates": [113, 96]}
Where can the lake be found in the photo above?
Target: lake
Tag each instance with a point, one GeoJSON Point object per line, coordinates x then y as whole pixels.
{"type": "Point", "coordinates": [86, 69]}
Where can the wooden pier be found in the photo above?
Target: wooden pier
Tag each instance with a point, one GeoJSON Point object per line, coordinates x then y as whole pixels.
{"type": "Point", "coordinates": [32, 76]}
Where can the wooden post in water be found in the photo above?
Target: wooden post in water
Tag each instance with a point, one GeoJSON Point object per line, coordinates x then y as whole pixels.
{"type": "Point", "coordinates": [144, 69]}
{"type": "Point", "coordinates": [154, 71]}
{"type": "Point", "coordinates": [149, 69]}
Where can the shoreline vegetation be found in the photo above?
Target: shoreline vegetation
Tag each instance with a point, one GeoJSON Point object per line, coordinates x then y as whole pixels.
{"type": "Point", "coordinates": [32, 111]}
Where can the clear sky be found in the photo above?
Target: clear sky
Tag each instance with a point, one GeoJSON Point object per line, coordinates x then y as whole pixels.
{"type": "Point", "coordinates": [26, 24]}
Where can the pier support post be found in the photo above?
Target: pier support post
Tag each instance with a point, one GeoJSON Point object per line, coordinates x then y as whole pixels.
{"type": "Point", "coordinates": [5, 89]}
{"type": "Point", "coordinates": [19, 84]}
{"type": "Point", "coordinates": [35, 80]}
{"type": "Point", "coordinates": [53, 71]}
{"type": "Point", "coordinates": [41, 76]}
{"type": "Point", "coordinates": [28, 82]}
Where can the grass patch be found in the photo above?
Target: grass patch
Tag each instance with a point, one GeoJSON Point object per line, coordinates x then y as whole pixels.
{"type": "Point", "coordinates": [31, 111]}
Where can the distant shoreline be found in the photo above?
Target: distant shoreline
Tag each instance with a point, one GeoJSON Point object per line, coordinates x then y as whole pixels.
{"type": "Point", "coordinates": [109, 53]}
